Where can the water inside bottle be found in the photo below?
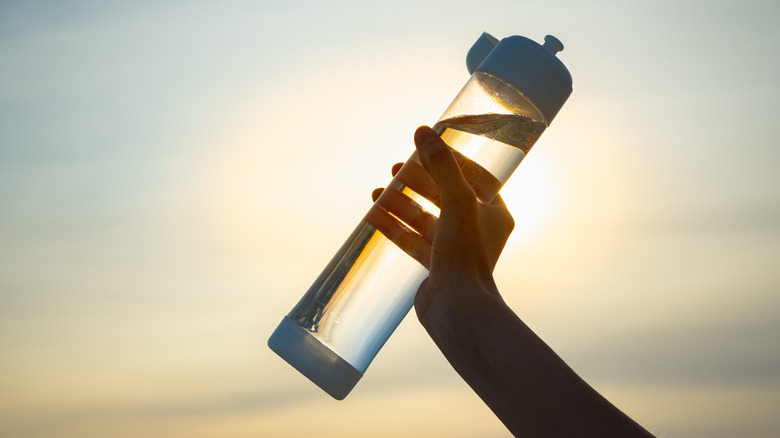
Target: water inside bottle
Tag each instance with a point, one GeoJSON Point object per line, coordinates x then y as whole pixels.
{"type": "Point", "coordinates": [369, 286]}
{"type": "Point", "coordinates": [497, 143]}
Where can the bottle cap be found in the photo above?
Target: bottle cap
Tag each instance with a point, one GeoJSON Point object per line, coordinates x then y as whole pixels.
{"type": "Point", "coordinates": [532, 68]}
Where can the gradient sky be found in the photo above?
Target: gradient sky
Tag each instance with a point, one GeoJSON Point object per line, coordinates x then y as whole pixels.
{"type": "Point", "coordinates": [174, 175]}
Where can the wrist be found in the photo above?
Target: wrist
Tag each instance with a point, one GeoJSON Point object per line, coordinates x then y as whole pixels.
{"type": "Point", "coordinates": [446, 310]}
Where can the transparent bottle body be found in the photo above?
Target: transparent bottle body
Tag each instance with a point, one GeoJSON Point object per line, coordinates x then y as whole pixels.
{"type": "Point", "coordinates": [369, 286]}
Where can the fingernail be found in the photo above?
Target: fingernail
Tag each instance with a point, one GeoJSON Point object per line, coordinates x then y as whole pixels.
{"type": "Point", "coordinates": [425, 134]}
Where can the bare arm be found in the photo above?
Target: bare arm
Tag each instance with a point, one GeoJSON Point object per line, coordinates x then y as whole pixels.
{"type": "Point", "coordinates": [529, 387]}
{"type": "Point", "coordinates": [526, 384]}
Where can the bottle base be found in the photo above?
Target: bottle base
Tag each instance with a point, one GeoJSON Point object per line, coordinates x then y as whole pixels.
{"type": "Point", "coordinates": [313, 359]}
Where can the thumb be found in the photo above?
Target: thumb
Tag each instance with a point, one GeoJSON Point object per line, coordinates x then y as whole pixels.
{"type": "Point", "coordinates": [438, 160]}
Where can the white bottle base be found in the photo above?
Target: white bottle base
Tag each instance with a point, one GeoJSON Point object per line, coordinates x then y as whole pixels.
{"type": "Point", "coordinates": [313, 359]}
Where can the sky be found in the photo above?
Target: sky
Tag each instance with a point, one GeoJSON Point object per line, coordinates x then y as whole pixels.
{"type": "Point", "coordinates": [174, 176]}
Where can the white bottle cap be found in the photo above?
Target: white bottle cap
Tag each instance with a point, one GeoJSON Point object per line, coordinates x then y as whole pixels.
{"type": "Point", "coordinates": [530, 67]}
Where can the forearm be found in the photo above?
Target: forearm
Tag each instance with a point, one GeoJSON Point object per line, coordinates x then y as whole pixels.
{"type": "Point", "coordinates": [529, 387]}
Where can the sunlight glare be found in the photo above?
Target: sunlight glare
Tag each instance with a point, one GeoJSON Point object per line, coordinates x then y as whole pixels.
{"type": "Point", "coordinates": [531, 196]}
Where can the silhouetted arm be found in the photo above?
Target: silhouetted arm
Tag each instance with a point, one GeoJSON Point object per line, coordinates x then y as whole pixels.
{"type": "Point", "coordinates": [523, 381]}
{"type": "Point", "coordinates": [526, 384]}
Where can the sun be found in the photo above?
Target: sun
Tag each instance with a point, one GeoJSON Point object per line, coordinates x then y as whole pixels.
{"type": "Point", "coordinates": [532, 197]}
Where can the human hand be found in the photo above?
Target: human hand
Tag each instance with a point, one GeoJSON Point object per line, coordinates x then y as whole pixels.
{"type": "Point", "coordinates": [460, 247]}
{"type": "Point", "coordinates": [526, 384]}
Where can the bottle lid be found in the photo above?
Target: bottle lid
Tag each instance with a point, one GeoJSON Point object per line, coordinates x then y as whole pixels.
{"type": "Point", "coordinates": [532, 68]}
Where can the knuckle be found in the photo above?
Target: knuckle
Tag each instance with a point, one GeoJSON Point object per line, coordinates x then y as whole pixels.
{"type": "Point", "coordinates": [509, 222]}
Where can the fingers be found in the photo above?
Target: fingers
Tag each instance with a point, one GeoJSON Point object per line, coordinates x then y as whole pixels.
{"type": "Point", "coordinates": [376, 194]}
{"type": "Point", "coordinates": [400, 218]}
{"type": "Point", "coordinates": [440, 163]}
{"type": "Point", "coordinates": [402, 236]}
{"type": "Point", "coordinates": [403, 208]}
{"type": "Point", "coordinates": [396, 168]}
{"type": "Point", "coordinates": [414, 176]}
{"type": "Point", "coordinates": [410, 212]}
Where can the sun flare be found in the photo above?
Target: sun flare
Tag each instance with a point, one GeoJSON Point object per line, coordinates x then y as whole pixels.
{"type": "Point", "coordinates": [531, 197]}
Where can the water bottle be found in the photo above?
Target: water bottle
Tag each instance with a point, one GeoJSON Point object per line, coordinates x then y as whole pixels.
{"type": "Point", "coordinates": [516, 88]}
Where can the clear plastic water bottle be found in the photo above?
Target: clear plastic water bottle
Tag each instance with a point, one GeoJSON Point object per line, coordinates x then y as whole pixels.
{"type": "Point", "coordinates": [334, 332]}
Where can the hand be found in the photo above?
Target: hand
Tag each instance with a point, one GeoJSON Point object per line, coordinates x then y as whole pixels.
{"type": "Point", "coordinates": [462, 246]}
{"type": "Point", "coordinates": [526, 384]}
